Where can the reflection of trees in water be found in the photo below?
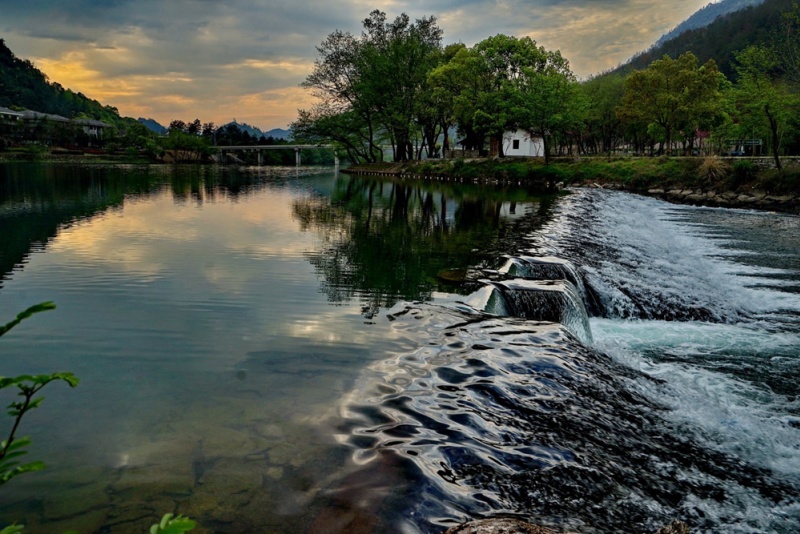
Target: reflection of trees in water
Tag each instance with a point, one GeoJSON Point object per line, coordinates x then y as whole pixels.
{"type": "Point", "coordinates": [387, 240]}
{"type": "Point", "coordinates": [37, 200]}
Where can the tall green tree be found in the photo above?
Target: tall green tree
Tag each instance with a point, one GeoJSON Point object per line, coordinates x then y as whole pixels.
{"type": "Point", "coordinates": [603, 127]}
{"type": "Point", "coordinates": [547, 100]}
{"type": "Point", "coordinates": [675, 95]}
{"type": "Point", "coordinates": [459, 83]}
{"type": "Point", "coordinates": [377, 79]}
{"type": "Point", "coordinates": [762, 97]}
{"type": "Point", "coordinates": [508, 64]}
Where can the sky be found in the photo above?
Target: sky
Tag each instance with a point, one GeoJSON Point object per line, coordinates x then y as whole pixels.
{"type": "Point", "coordinates": [220, 60]}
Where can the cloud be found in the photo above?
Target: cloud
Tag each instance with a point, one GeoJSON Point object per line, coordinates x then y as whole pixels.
{"type": "Point", "coordinates": [202, 58]}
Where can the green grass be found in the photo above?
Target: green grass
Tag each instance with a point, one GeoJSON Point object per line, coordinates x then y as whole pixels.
{"type": "Point", "coordinates": [635, 174]}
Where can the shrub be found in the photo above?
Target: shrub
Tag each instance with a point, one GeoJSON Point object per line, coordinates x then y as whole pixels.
{"type": "Point", "coordinates": [714, 168]}
{"type": "Point", "coordinates": [744, 171]}
{"type": "Point", "coordinates": [781, 182]}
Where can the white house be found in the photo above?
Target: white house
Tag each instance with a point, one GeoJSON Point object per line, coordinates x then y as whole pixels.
{"type": "Point", "coordinates": [521, 143]}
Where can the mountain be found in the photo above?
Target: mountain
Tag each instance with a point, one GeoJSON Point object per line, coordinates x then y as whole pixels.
{"type": "Point", "coordinates": [727, 34]}
{"type": "Point", "coordinates": [153, 125]}
{"type": "Point", "coordinates": [23, 85]}
{"type": "Point", "coordinates": [252, 131]}
{"type": "Point", "coordinates": [706, 15]}
{"type": "Point", "coordinates": [279, 133]}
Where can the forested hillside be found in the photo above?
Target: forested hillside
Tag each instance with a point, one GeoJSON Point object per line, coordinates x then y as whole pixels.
{"type": "Point", "coordinates": [25, 86]}
{"type": "Point", "coordinates": [705, 16]}
{"type": "Point", "coordinates": [720, 39]}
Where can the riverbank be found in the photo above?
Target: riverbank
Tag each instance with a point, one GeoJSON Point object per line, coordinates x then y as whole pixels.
{"type": "Point", "coordinates": [38, 154]}
{"type": "Point", "coordinates": [710, 181]}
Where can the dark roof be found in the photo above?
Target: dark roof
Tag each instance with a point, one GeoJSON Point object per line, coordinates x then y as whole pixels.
{"type": "Point", "coordinates": [37, 116]}
{"type": "Point", "coordinates": [6, 111]}
{"type": "Point", "coordinates": [92, 122]}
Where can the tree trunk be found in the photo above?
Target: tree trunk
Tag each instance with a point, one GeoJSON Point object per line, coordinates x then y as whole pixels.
{"type": "Point", "coordinates": [773, 126]}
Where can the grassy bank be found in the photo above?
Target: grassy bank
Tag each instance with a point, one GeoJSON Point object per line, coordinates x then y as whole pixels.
{"type": "Point", "coordinates": [633, 174]}
{"type": "Point", "coordinates": [43, 154]}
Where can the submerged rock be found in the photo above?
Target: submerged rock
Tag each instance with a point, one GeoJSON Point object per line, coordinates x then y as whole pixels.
{"type": "Point", "coordinates": [501, 525]}
{"type": "Point", "coordinates": [506, 525]}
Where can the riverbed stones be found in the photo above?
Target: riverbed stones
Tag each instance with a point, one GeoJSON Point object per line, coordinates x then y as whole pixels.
{"type": "Point", "coordinates": [500, 525]}
{"type": "Point", "coordinates": [506, 525]}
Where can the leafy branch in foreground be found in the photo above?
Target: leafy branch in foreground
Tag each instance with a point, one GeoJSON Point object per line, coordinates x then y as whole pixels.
{"type": "Point", "coordinates": [172, 525]}
{"type": "Point", "coordinates": [28, 386]}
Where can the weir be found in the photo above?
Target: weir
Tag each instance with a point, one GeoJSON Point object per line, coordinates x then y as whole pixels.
{"type": "Point", "coordinates": [555, 301]}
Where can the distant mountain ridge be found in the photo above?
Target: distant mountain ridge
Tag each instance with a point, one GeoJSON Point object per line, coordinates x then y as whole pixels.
{"type": "Point", "coordinates": [719, 40]}
{"type": "Point", "coordinates": [153, 125]}
{"type": "Point", "coordinates": [254, 131]}
{"type": "Point", "coordinates": [705, 16]}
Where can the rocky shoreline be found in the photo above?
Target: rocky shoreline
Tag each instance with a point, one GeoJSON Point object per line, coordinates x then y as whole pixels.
{"type": "Point", "coordinates": [754, 199]}
{"type": "Point", "coordinates": [678, 191]}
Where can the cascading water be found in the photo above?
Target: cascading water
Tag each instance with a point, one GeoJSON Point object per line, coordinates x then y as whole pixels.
{"type": "Point", "coordinates": [555, 301]}
{"type": "Point", "coordinates": [685, 403]}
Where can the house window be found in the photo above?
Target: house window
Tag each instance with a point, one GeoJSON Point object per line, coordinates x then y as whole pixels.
{"type": "Point", "coordinates": [515, 144]}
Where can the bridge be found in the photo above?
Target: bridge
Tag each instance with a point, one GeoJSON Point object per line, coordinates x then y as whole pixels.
{"type": "Point", "coordinates": [261, 148]}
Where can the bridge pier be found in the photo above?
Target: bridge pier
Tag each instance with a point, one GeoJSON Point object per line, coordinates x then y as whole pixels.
{"type": "Point", "coordinates": [260, 157]}
{"type": "Point", "coordinates": [297, 156]}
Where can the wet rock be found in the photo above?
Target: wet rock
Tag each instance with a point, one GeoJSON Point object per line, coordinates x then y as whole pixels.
{"type": "Point", "coordinates": [500, 525]}
{"type": "Point", "coordinates": [505, 525]}
{"type": "Point", "coordinates": [676, 527]}
{"type": "Point", "coordinates": [452, 276]}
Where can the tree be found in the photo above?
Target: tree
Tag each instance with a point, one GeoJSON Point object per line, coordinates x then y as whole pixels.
{"type": "Point", "coordinates": [458, 82]}
{"type": "Point", "coordinates": [761, 96]}
{"type": "Point", "coordinates": [177, 125]}
{"type": "Point", "coordinates": [377, 79]}
{"type": "Point", "coordinates": [675, 95]}
{"type": "Point", "coordinates": [508, 63]}
{"type": "Point", "coordinates": [546, 99]}
{"type": "Point", "coordinates": [603, 127]}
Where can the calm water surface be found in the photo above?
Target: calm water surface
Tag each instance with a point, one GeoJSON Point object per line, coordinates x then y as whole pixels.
{"type": "Point", "coordinates": [290, 350]}
{"type": "Point", "coordinates": [215, 318]}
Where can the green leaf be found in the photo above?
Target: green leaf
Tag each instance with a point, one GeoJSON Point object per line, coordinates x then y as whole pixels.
{"type": "Point", "coordinates": [35, 403]}
{"type": "Point", "coordinates": [12, 529]}
{"type": "Point", "coordinates": [170, 525]}
{"type": "Point", "coordinates": [37, 308]}
{"type": "Point", "coordinates": [6, 475]}
{"type": "Point", "coordinates": [69, 378]}
{"type": "Point", "coordinates": [16, 444]}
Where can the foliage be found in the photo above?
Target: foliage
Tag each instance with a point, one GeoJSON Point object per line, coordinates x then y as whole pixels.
{"type": "Point", "coordinates": [28, 386]}
{"type": "Point", "coordinates": [603, 129]}
{"type": "Point", "coordinates": [675, 95]}
{"type": "Point", "coordinates": [527, 87]}
{"type": "Point", "coordinates": [170, 524]}
{"type": "Point", "coordinates": [743, 171]}
{"type": "Point", "coordinates": [780, 182]}
{"type": "Point", "coordinates": [22, 84]}
{"type": "Point", "coordinates": [762, 98]}
{"type": "Point", "coordinates": [714, 168]}
{"type": "Point", "coordinates": [721, 39]}
{"type": "Point", "coordinates": [369, 87]}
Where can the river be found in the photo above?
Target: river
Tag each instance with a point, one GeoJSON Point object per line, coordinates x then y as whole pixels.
{"type": "Point", "coordinates": [294, 349]}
